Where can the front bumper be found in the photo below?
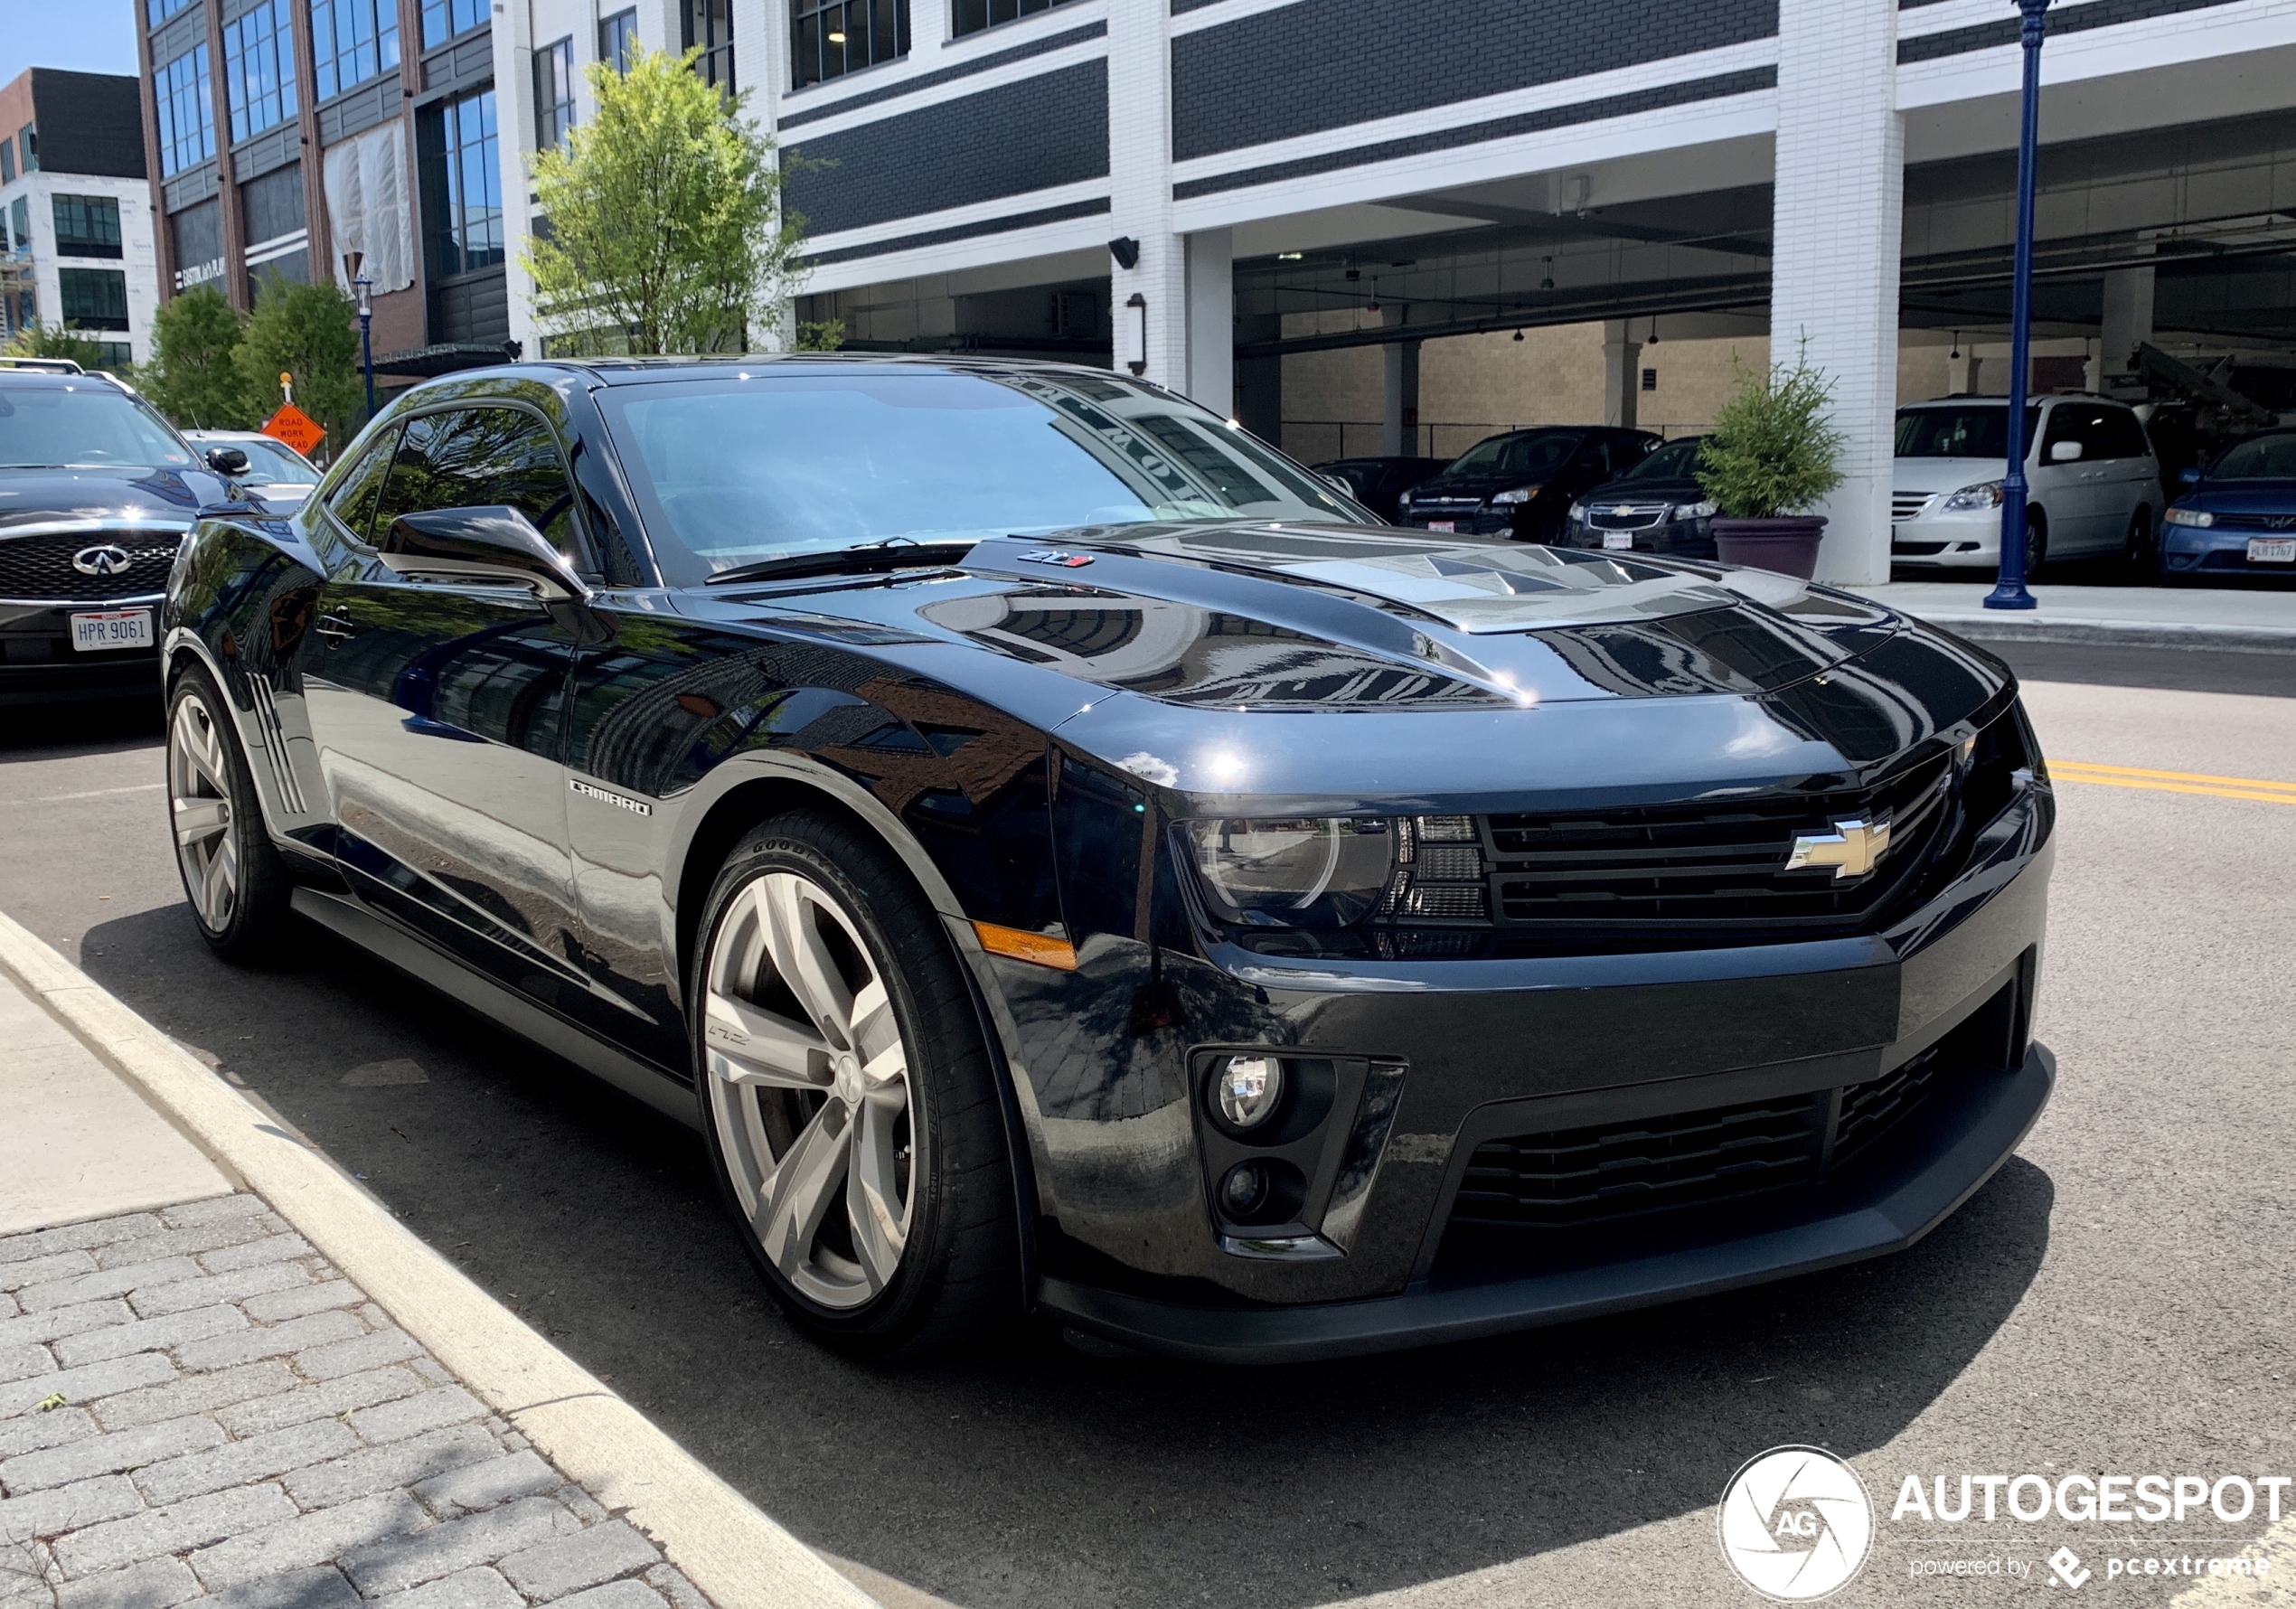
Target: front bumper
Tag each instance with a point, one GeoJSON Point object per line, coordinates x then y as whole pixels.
{"type": "Point", "coordinates": [2217, 550]}
{"type": "Point", "coordinates": [1935, 536]}
{"type": "Point", "coordinates": [1529, 1055]}
{"type": "Point", "coordinates": [39, 665]}
{"type": "Point", "coordinates": [1956, 1150]}
{"type": "Point", "coordinates": [1670, 539]}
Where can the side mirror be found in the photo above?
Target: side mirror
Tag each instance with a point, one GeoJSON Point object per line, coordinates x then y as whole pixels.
{"type": "Point", "coordinates": [2188, 478]}
{"type": "Point", "coordinates": [2064, 452]}
{"type": "Point", "coordinates": [491, 544]}
{"type": "Point", "coordinates": [226, 460]}
{"type": "Point", "coordinates": [1340, 483]}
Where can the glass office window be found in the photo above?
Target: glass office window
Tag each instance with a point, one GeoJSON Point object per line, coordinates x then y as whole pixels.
{"type": "Point", "coordinates": [7, 160]}
{"type": "Point", "coordinates": [352, 41]}
{"type": "Point", "coordinates": [443, 19]}
{"type": "Point", "coordinates": [159, 11]}
{"type": "Point", "coordinates": [831, 38]}
{"type": "Point", "coordinates": [93, 299]}
{"type": "Point", "coordinates": [20, 222]}
{"type": "Point", "coordinates": [970, 16]}
{"type": "Point", "coordinates": [87, 226]}
{"type": "Point", "coordinates": [28, 148]}
{"type": "Point", "coordinates": [186, 111]}
{"type": "Point", "coordinates": [463, 199]}
{"type": "Point", "coordinates": [617, 37]}
{"type": "Point", "coordinates": [553, 93]}
{"type": "Point", "coordinates": [708, 24]}
{"type": "Point", "coordinates": [258, 68]}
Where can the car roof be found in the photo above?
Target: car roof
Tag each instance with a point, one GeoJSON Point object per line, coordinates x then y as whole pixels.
{"type": "Point", "coordinates": [649, 370]}
{"type": "Point", "coordinates": [45, 380]}
{"type": "Point", "coordinates": [1965, 400]}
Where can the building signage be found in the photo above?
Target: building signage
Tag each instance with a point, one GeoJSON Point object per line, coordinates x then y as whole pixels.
{"type": "Point", "coordinates": [199, 274]}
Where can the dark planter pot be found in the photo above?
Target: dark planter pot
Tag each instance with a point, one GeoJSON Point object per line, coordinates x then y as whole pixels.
{"type": "Point", "coordinates": [1787, 544]}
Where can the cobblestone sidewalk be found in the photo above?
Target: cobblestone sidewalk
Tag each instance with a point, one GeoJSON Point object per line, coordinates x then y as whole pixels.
{"type": "Point", "coordinates": [196, 1408]}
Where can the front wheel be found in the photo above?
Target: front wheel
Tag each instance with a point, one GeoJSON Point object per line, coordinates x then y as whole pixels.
{"type": "Point", "coordinates": [848, 1099]}
{"type": "Point", "coordinates": [2036, 544]}
{"type": "Point", "coordinates": [2137, 546]}
{"type": "Point", "coordinates": [233, 877]}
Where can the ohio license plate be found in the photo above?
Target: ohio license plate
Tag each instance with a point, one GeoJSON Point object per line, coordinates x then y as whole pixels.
{"type": "Point", "coordinates": [97, 630]}
{"type": "Point", "coordinates": [1450, 525]}
{"type": "Point", "coordinates": [1618, 538]}
{"type": "Point", "coordinates": [2272, 549]}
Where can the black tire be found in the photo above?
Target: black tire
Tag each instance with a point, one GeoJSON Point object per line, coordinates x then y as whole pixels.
{"type": "Point", "coordinates": [2138, 547]}
{"type": "Point", "coordinates": [2036, 542]}
{"type": "Point", "coordinates": [257, 918]}
{"type": "Point", "coordinates": [958, 1272]}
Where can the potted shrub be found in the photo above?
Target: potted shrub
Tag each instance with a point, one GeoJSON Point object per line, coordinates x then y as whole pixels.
{"type": "Point", "coordinates": [1771, 456]}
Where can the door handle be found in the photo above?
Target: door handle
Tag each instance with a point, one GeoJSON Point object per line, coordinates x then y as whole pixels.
{"type": "Point", "coordinates": [336, 627]}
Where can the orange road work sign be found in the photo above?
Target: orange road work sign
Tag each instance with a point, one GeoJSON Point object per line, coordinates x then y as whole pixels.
{"type": "Point", "coordinates": [297, 428]}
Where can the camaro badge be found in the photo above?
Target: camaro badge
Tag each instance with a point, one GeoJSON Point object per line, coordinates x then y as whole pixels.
{"type": "Point", "coordinates": [635, 807]}
{"type": "Point", "coordinates": [1055, 556]}
{"type": "Point", "coordinates": [1853, 849]}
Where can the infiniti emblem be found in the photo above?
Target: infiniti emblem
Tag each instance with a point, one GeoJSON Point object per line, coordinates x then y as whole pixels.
{"type": "Point", "coordinates": [107, 561]}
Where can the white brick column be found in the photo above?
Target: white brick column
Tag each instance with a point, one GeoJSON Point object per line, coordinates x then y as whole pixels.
{"type": "Point", "coordinates": [1140, 187]}
{"type": "Point", "coordinates": [1838, 218]}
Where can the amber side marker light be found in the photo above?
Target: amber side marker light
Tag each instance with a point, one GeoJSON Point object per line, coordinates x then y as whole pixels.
{"type": "Point", "coordinates": [1022, 945]}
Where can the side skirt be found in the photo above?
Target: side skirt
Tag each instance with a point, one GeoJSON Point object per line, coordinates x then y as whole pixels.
{"type": "Point", "coordinates": [409, 954]}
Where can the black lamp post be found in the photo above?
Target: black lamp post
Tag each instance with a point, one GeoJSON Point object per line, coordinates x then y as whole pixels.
{"type": "Point", "coordinates": [2008, 592]}
{"type": "Point", "coordinates": [364, 289]}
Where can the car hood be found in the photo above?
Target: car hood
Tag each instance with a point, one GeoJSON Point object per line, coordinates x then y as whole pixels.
{"type": "Point", "coordinates": [2242, 497]}
{"type": "Point", "coordinates": [1448, 484]}
{"type": "Point", "coordinates": [1645, 491]}
{"type": "Point", "coordinates": [40, 498]}
{"type": "Point", "coordinates": [1944, 475]}
{"type": "Point", "coordinates": [1305, 616]}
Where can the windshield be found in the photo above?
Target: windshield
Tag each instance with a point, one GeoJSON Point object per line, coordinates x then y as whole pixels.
{"type": "Point", "coordinates": [743, 469]}
{"type": "Point", "coordinates": [274, 461]}
{"type": "Point", "coordinates": [87, 424]}
{"type": "Point", "coordinates": [1676, 461]}
{"type": "Point", "coordinates": [1538, 454]}
{"type": "Point", "coordinates": [2260, 458]}
{"type": "Point", "coordinates": [1979, 430]}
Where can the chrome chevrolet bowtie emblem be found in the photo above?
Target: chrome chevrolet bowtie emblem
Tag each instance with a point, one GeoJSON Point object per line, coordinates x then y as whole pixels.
{"type": "Point", "coordinates": [106, 561]}
{"type": "Point", "coordinates": [1853, 849]}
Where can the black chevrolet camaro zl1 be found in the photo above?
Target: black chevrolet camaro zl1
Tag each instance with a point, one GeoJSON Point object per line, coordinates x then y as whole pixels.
{"type": "Point", "coordinates": [1064, 858]}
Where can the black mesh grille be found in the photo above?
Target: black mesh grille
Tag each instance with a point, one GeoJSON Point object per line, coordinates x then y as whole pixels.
{"type": "Point", "coordinates": [1616, 872]}
{"type": "Point", "coordinates": [40, 567]}
{"type": "Point", "coordinates": [1574, 1177]}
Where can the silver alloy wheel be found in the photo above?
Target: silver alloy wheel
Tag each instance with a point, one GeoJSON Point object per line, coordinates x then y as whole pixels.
{"type": "Point", "coordinates": [199, 795]}
{"type": "Point", "coordinates": [809, 1087]}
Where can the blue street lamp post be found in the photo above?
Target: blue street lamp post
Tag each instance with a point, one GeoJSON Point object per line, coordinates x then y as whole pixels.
{"type": "Point", "coordinates": [2008, 592]}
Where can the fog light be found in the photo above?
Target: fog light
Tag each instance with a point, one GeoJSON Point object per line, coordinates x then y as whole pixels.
{"type": "Point", "coordinates": [1249, 1088]}
{"type": "Point", "coordinates": [1244, 1190]}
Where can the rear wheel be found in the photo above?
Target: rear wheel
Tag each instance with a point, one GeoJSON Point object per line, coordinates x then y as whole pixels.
{"type": "Point", "coordinates": [233, 877]}
{"type": "Point", "coordinates": [848, 1099]}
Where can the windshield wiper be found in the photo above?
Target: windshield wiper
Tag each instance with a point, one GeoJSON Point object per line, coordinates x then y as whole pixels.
{"type": "Point", "coordinates": [895, 552]}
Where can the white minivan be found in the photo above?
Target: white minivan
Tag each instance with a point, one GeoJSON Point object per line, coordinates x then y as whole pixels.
{"type": "Point", "coordinates": [2092, 486]}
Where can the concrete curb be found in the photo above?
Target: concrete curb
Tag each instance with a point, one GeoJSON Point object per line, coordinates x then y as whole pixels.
{"type": "Point", "coordinates": [734, 1553]}
{"type": "Point", "coordinates": [2213, 639]}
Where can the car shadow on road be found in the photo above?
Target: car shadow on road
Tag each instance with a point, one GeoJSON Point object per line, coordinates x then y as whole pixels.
{"type": "Point", "coordinates": [1017, 1471]}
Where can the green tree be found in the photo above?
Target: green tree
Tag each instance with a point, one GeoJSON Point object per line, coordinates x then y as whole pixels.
{"type": "Point", "coordinates": [311, 332]}
{"type": "Point", "coordinates": [1774, 445]}
{"type": "Point", "coordinates": [666, 231]}
{"type": "Point", "coordinates": [194, 376]}
{"type": "Point", "coordinates": [56, 341]}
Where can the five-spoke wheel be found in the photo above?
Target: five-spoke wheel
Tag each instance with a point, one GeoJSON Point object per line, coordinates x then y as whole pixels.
{"type": "Point", "coordinates": [847, 1095]}
{"type": "Point", "coordinates": [233, 878]}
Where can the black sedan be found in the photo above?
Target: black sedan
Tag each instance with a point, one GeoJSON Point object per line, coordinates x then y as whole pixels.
{"type": "Point", "coordinates": [1656, 507]}
{"type": "Point", "coordinates": [96, 491]}
{"type": "Point", "coordinates": [1064, 858]}
{"type": "Point", "coordinates": [1379, 483]}
{"type": "Point", "coordinates": [1522, 483]}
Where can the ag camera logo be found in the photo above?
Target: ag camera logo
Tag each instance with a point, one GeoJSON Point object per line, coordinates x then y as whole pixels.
{"type": "Point", "coordinates": [1796, 1524]}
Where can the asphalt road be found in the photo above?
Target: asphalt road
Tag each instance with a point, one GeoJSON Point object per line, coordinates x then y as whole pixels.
{"type": "Point", "coordinates": [2118, 1299]}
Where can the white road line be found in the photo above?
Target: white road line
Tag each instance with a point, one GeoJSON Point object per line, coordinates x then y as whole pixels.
{"type": "Point", "coordinates": [97, 793]}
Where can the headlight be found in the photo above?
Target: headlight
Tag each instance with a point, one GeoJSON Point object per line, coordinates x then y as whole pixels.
{"type": "Point", "coordinates": [1694, 510]}
{"type": "Point", "coordinates": [2189, 516]}
{"type": "Point", "coordinates": [1403, 503]}
{"type": "Point", "coordinates": [1577, 515]}
{"type": "Point", "coordinates": [1305, 872]}
{"type": "Point", "coordinates": [1985, 494]}
{"type": "Point", "coordinates": [1517, 494]}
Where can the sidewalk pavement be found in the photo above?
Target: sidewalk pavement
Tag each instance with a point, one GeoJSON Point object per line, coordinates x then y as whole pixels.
{"type": "Point", "coordinates": [2240, 619]}
{"type": "Point", "coordinates": [203, 1403]}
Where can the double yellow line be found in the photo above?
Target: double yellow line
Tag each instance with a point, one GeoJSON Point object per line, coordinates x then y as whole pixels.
{"type": "Point", "coordinates": [2173, 782]}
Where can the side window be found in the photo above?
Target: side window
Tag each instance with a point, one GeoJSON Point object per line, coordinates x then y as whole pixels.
{"type": "Point", "coordinates": [475, 458]}
{"type": "Point", "coordinates": [355, 497]}
{"type": "Point", "coordinates": [2069, 421]}
{"type": "Point", "coordinates": [2120, 436]}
